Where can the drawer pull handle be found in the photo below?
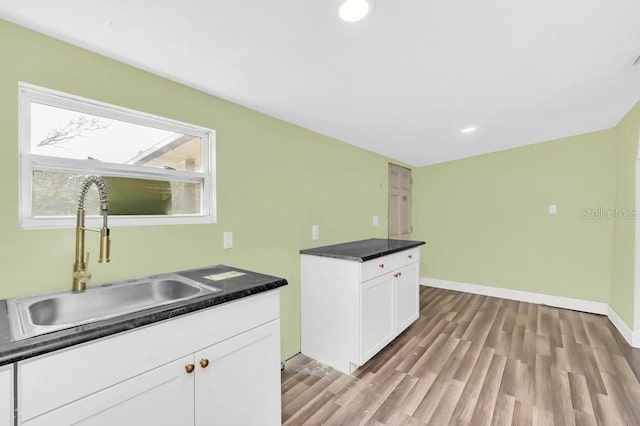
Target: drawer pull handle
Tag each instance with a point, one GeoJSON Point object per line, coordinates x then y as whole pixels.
{"type": "Point", "coordinates": [204, 363]}
{"type": "Point", "coordinates": [410, 257]}
{"type": "Point", "coordinates": [189, 368]}
{"type": "Point", "coordinates": [381, 265]}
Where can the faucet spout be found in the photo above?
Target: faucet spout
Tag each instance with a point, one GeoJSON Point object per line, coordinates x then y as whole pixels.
{"type": "Point", "coordinates": [81, 274]}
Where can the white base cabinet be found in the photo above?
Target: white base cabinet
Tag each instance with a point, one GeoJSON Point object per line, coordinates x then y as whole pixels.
{"type": "Point", "coordinates": [219, 366]}
{"type": "Point", "coordinates": [351, 310]}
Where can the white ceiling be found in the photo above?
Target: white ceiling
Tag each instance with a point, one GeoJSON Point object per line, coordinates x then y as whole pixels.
{"type": "Point", "coordinates": [402, 83]}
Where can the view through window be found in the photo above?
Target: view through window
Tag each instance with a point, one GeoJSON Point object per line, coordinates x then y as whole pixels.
{"type": "Point", "coordinates": [156, 170]}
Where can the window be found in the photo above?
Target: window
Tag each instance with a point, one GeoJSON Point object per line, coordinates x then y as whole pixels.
{"type": "Point", "coordinates": [157, 171]}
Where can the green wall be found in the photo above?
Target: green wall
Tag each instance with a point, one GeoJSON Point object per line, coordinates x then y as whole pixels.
{"type": "Point", "coordinates": [274, 181]}
{"type": "Point", "coordinates": [486, 220]}
{"type": "Point", "coordinates": [622, 285]}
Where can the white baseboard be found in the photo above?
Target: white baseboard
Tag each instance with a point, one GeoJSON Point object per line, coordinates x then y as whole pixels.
{"type": "Point", "coordinates": [622, 326]}
{"type": "Point", "coordinates": [631, 336]}
{"type": "Point", "coordinates": [521, 296]}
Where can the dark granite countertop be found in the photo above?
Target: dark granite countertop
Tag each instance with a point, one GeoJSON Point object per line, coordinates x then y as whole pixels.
{"type": "Point", "coordinates": [364, 250]}
{"type": "Point", "coordinates": [231, 289]}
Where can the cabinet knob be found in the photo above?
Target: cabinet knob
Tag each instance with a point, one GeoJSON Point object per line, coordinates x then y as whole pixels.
{"type": "Point", "coordinates": [189, 368]}
{"type": "Point", "coordinates": [410, 257]}
{"type": "Point", "coordinates": [381, 265]}
{"type": "Point", "coordinates": [399, 274]}
{"type": "Point", "coordinates": [204, 363]}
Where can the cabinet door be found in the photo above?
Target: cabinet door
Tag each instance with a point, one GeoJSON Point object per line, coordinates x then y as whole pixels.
{"type": "Point", "coordinates": [6, 395]}
{"type": "Point", "coordinates": [238, 380]}
{"type": "Point", "coordinates": [163, 396]}
{"type": "Point", "coordinates": [406, 297]}
{"type": "Point", "coordinates": [376, 315]}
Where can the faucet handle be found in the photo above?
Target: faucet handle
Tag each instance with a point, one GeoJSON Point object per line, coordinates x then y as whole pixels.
{"type": "Point", "coordinates": [83, 278]}
{"type": "Point", "coordinates": [83, 275]}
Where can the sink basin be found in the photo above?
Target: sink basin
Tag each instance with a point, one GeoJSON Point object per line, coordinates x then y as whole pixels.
{"type": "Point", "coordinates": [35, 315]}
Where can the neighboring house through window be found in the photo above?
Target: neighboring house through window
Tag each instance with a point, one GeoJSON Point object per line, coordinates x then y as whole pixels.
{"type": "Point", "coordinates": [157, 170]}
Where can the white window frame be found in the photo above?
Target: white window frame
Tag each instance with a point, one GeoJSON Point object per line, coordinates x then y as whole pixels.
{"type": "Point", "coordinates": [28, 162]}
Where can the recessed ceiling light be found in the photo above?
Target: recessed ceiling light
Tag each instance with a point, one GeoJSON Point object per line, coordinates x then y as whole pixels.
{"type": "Point", "coordinates": [354, 10]}
{"type": "Point", "coordinates": [469, 129]}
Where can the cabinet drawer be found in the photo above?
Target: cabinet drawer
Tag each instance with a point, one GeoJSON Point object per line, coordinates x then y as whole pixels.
{"type": "Point", "coordinates": [52, 380]}
{"type": "Point", "coordinates": [377, 267]}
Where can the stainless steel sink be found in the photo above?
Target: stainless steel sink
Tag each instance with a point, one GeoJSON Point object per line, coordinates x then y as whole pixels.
{"type": "Point", "coordinates": [34, 315]}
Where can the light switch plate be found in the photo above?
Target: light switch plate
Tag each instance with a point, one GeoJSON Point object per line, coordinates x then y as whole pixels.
{"type": "Point", "coordinates": [376, 220]}
{"type": "Point", "coordinates": [227, 240]}
{"type": "Point", "coordinates": [315, 232]}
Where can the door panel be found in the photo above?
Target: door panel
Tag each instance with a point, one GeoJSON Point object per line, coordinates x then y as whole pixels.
{"type": "Point", "coordinates": [6, 395]}
{"type": "Point", "coordinates": [222, 394]}
{"type": "Point", "coordinates": [404, 215]}
{"type": "Point", "coordinates": [406, 297]}
{"type": "Point", "coordinates": [399, 202]}
{"type": "Point", "coordinates": [163, 396]}
{"type": "Point", "coordinates": [376, 315]}
{"type": "Point", "coordinates": [394, 211]}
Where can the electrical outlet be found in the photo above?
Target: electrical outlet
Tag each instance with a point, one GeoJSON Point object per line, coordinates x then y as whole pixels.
{"type": "Point", "coordinates": [315, 232]}
{"type": "Point", "coordinates": [376, 220]}
{"type": "Point", "coordinates": [553, 209]}
{"type": "Point", "coordinates": [227, 240]}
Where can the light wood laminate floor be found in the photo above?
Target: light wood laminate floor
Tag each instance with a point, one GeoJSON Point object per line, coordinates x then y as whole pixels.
{"type": "Point", "coordinates": [477, 360]}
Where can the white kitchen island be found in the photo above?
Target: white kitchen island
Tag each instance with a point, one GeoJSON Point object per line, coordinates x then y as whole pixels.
{"type": "Point", "coordinates": [356, 298]}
